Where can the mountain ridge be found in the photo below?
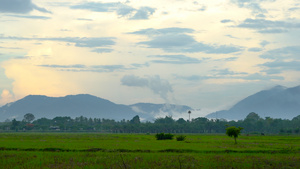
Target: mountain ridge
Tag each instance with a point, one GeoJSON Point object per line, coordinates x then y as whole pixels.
{"type": "Point", "coordinates": [79, 105]}
{"type": "Point", "coordinates": [277, 102]}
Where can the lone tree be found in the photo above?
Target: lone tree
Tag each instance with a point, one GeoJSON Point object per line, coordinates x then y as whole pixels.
{"type": "Point", "coordinates": [28, 117]}
{"type": "Point", "coordinates": [233, 132]}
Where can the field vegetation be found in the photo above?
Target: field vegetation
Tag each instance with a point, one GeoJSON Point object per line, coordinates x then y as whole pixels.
{"type": "Point", "coordinates": [96, 150]}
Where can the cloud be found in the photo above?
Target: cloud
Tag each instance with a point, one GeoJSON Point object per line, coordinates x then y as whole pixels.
{"type": "Point", "coordinates": [222, 72]}
{"type": "Point", "coordinates": [264, 43]}
{"type": "Point", "coordinates": [90, 68]}
{"type": "Point", "coordinates": [294, 9]}
{"type": "Point", "coordinates": [6, 97]}
{"type": "Point", "coordinates": [258, 76]}
{"type": "Point", "coordinates": [94, 68]}
{"type": "Point", "coordinates": [120, 9]}
{"type": "Point", "coordinates": [154, 32]}
{"type": "Point", "coordinates": [174, 59]}
{"type": "Point", "coordinates": [286, 58]}
{"type": "Point", "coordinates": [233, 37]}
{"type": "Point", "coordinates": [252, 5]}
{"type": "Point", "coordinates": [177, 40]}
{"type": "Point", "coordinates": [255, 49]}
{"type": "Point", "coordinates": [268, 26]}
{"type": "Point", "coordinates": [30, 17]}
{"type": "Point", "coordinates": [10, 47]}
{"type": "Point", "coordinates": [203, 8]}
{"type": "Point", "coordinates": [192, 77]}
{"type": "Point", "coordinates": [289, 52]}
{"type": "Point", "coordinates": [143, 13]}
{"type": "Point", "coordinates": [277, 66]}
{"type": "Point", "coordinates": [154, 83]}
{"type": "Point", "coordinates": [97, 6]}
{"type": "Point", "coordinates": [229, 59]}
{"type": "Point", "coordinates": [226, 74]}
{"type": "Point", "coordinates": [78, 41]}
{"type": "Point", "coordinates": [226, 21]}
{"type": "Point", "coordinates": [84, 19]}
{"type": "Point", "coordinates": [124, 10]}
{"type": "Point", "coordinates": [19, 6]}
{"type": "Point", "coordinates": [102, 50]}
{"type": "Point", "coordinates": [260, 16]}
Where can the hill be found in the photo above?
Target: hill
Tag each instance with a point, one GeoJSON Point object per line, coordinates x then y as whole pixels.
{"type": "Point", "coordinates": [277, 102]}
{"type": "Point", "coordinates": [80, 105]}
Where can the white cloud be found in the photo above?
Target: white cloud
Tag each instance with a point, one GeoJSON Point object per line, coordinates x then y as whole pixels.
{"type": "Point", "coordinates": [6, 97]}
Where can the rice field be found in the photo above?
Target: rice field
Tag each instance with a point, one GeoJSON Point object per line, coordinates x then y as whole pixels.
{"type": "Point", "coordinates": [96, 150]}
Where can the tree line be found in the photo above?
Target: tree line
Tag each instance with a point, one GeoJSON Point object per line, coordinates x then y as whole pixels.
{"type": "Point", "coordinates": [252, 124]}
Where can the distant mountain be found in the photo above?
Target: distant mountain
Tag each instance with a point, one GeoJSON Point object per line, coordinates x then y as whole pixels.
{"type": "Point", "coordinates": [79, 105]}
{"type": "Point", "coordinates": [277, 102]}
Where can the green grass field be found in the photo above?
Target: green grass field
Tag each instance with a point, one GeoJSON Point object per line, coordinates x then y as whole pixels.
{"type": "Point", "coordinates": [91, 150]}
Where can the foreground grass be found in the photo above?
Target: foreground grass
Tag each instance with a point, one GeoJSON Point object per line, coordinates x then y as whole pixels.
{"type": "Point", "coordinates": [55, 150]}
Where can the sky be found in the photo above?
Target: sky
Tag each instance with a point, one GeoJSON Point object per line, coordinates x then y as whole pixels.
{"type": "Point", "coordinates": [203, 54]}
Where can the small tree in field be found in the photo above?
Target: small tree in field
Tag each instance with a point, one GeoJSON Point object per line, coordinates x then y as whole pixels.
{"type": "Point", "coordinates": [233, 132]}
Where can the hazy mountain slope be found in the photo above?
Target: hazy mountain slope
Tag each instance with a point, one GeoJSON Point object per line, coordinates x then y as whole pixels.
{"type": "Point", "coordinates": [277, 102]}
{"type": "Point", "coordinates": [83, 105]}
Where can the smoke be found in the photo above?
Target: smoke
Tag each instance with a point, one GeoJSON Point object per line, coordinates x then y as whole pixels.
{"type": "Point", "coordinates": [157, 85]}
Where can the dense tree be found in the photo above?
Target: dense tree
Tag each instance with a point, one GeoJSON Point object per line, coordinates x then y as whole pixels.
{"type": "Point", "coordinates": [252, 124]}
{"type": "Point", "coordinates": [15, 124]}
{"type": "Point", "coordinates": [181, 121]}
{"type": "Point", "coordinates": [135, 120]}
{"type": "Point", "coordinates": [28, 117]}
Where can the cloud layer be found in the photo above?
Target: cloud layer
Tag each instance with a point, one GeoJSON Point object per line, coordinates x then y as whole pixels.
{"type": "Point", "coordinates": [176, 39]}
{"type": "Point", "coordinates": [120, 9]}
{"type": "Point", "coordinates": [19, 6]}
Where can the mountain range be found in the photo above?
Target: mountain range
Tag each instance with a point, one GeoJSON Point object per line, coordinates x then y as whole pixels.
{"type": "Point", "coordinates": [83, 105]}
{"type": "Point", "coordinates": [277, 102]}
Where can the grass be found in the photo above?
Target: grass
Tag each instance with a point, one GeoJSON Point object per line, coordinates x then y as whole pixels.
{"type": "Point", "coordinates": [73, 150]}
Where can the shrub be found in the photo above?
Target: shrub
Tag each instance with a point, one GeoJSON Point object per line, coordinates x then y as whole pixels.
{"type": "Point", "coordinates": [180, 138]}
{"type": "Point", "coordinates": [163, 136]}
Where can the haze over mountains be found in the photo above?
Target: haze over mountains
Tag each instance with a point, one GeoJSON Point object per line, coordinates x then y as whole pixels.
{"type": "Point", "coordinates": [277, 102]}
{"type": "Point", "coordinates": [83, 105]}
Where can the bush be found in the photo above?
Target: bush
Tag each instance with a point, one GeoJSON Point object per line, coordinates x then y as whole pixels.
{"type": "Point", "coordinates": [180, 138]}
{"type": "Point", "coordinates": [163, 136]}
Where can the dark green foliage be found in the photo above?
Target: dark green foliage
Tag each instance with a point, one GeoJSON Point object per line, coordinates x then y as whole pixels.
{"type": "Point", "coordinates": [233, 132]}
{"type": "Point", "coordinates": [180, 138]}
{"type": "Point", "coordinates": [166, 120]}
{"type": "Point", "coordinates": [28, 117]}
{"type": "Point", "coordinates": [251, 124]}
{"type": "Point", "coordinates": [163, 136]}
{"type": "Point", "coordinates": [135, 120]}
{"type": "Point", "coordinates": [14, 124]}
{"type": "Point", "coordinates": [180, 121]}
